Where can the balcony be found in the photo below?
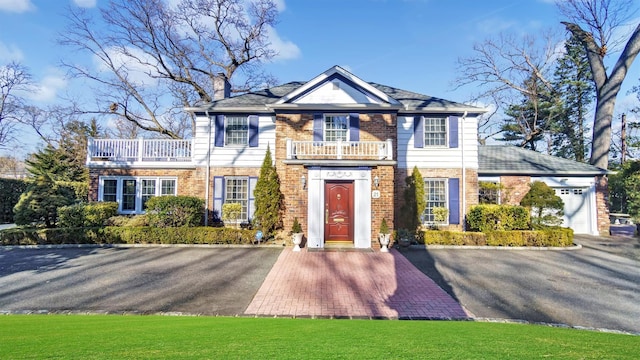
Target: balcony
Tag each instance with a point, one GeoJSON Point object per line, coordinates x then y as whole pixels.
{"type": "Point", "coordinates": [139, 151]}
{"type": "Point", "coordinates": [339, 150]}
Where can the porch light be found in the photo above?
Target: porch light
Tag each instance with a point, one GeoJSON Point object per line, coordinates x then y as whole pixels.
{"type": "Point", "coordinates": [303, 181]}
{"type": "Point", "coordinates": [376, 181]}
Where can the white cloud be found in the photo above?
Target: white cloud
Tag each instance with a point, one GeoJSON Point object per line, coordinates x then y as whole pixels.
{"type": "Point", "coordinates": [85, 3]}
{"type": "Point", "coordinates": [16, 6]}
{"type": "Point", "coordinates": [47, 89]}
{"type": "Point", "coordinates": [286, 50]}
{"type": "Point", "coordinates": [9, 53]}
{"type": "Point", "coordinates": [280, 5]}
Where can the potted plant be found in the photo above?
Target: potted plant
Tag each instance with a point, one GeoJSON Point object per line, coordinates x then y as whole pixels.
{"type": "Point", "coordinates": [296, 234]}
{"type": "Point", "coordinates": [384, 236]}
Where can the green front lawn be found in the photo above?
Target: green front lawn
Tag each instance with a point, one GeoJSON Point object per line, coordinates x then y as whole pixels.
{"type": "Point", "coordinates": [153, 337]}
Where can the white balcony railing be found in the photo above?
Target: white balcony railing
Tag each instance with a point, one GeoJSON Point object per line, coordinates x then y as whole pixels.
{"type": "Point", "coordinates": [139, 150]}
{"type": "Point", "coordinates": [338, 150]}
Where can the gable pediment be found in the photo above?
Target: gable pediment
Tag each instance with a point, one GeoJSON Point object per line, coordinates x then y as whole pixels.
{"type": "Point", "coordinates": [337, 91]}
{"type": "Point", "coordinates": [337, 87]}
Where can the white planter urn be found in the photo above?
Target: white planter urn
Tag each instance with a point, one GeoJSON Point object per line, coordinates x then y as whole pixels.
{"type": "Point", "coordinates": [384, 242]}
{"type": "Point", "coordinates": [297, 240]}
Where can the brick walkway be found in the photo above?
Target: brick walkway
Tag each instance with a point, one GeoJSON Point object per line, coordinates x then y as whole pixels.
{"type": "Point", "coordinates": [351, 284]}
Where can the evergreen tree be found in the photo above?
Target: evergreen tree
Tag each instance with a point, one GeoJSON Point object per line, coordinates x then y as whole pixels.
{"type": "Point", "coordinates": [574, 86]}
{"type": "Point", "coordinates": [528, 121]}
{"type": "Point", "coordinates": [40, 202]}
{"type": "Point", "coordinates": [268, 198]}
{"type": "Point", "coordinates": [414, 201]}
{"type": "Point", "coordinates": [547, 208]}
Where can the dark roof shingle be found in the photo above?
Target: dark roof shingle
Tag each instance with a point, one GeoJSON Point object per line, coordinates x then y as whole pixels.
{"type": "Point", "coordinates": [512, 160]}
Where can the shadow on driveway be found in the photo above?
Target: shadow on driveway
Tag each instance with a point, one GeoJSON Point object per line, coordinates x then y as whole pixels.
{"type": "Point", "coordinates": [207, 281]}
{"type": "Point", "coordinates": [587, 287]}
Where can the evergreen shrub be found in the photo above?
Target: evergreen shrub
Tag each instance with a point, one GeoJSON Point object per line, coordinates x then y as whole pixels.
{"type": "Point", "coordinates": [175, 211]}
{"type": "Point", "coordinates": [485, 218]}
{"type": "Point", "coordinates": [10, 190]}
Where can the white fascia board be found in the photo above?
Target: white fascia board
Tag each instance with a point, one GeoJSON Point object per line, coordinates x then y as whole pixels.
{"type": "Point", "coordinates": [232, 109]}
{"type": "Point", "coordinates": [340, 107]}
{"type": "Point", "coordinates": [453, 110]}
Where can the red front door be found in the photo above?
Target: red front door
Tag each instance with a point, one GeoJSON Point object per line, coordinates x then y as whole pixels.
{"type": "Point", "coordinates": [338, 211]}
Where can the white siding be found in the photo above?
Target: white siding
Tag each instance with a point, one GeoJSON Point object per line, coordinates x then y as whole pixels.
{"type": "Point", "coordinates": [343, 94]}
{"type": "Point", "coordinates": [233, 156]}
{"type": "Point", "coordinates": [438, 157]}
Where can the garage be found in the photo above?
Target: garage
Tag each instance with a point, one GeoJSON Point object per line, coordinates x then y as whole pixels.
{"type": "Point", "coordinates": [577, 208]}
{"type": "Point", "coordinates": [574, 182]}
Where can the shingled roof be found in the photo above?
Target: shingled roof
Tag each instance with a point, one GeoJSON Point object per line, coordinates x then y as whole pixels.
{"type": "Point", "coordinates": [409, 101]}
{"type": "Point", "coordinates": [512, 160]}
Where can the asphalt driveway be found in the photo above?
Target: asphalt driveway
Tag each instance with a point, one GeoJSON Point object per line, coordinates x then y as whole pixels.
{"type": "Point", "coordinates": [207, 281]}
{"type": "Point", "coordinates": [597, 286]}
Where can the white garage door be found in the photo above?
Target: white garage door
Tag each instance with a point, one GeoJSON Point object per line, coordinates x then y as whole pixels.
{"type": "Point", "coordinates": [576, 209]}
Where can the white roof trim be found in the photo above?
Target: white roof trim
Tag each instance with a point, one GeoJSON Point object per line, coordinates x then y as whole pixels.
{"type": "Point", "coordinates": [337, 70]}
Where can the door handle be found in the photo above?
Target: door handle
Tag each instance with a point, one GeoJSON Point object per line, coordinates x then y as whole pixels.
{"type": "Point", "coordinates": [326, 215]}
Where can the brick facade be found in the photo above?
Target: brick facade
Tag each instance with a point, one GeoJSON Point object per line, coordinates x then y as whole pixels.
{"type": "Point", "coordinates": [602, 204]}
{"type": "Point", "coordinates": [373, 127]}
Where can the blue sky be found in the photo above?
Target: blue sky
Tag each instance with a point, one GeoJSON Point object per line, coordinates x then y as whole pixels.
{"type": "Point", "coordinates": [409, 44]}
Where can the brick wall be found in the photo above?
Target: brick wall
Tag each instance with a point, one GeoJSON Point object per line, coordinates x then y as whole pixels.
{"type": "Point", "coordinates": [602, 204]}
{"type": "Point", "coordinates": [514, 189]}
{"type": "Point", "coordinates": [373, 127]}
{"type": "Point", "coordinates": [190, 181]}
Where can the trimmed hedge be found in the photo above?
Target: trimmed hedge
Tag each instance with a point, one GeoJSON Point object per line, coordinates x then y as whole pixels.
{"type": "Point", "coordinates": [127, 235]}
{"type": "Point", "coordinates": [10, 191]}
{"type": "Point", "coordinates": [553, 237]}
{"type": "Point", "coordinates": [485, 218]}
{"type": "Point", "coordinates": [86, 215]}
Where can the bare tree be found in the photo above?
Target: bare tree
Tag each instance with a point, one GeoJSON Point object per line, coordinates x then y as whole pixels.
{"type": "Point", "coordinates": [156, 57]}
{"type": "Point", "coordinates": [14, 78]}
{"type": "Point", "coordinates": [502, 69]}
{"type": "Point", "coordinates": [600, 19]}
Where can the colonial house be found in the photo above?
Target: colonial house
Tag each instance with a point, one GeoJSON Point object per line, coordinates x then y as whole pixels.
{"type": "Point", "coordinates": [342, 149]}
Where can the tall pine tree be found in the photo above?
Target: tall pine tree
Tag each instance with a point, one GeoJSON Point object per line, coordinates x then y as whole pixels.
{"type": "Point", "coordinates": [573, 84]}
{"type": "Point", "coordinates": [268, 198]}
{"type": "Point", "coordinates": [528, 121]}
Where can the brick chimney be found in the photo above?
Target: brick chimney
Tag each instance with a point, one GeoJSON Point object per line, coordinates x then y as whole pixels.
{"type": "Point", "coordinates": [221, 87]}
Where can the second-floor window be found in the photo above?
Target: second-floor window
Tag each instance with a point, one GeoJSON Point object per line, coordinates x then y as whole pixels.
{"type": "Point", "coordinates": [435, 131]}
{"type": "Point", "coordinates": [336, 127]}
{"type": "Point", "coordinates": [236, 130]}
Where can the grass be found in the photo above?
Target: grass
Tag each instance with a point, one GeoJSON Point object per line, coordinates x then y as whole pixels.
{"type": "Point", "coordinates": [157, 337]}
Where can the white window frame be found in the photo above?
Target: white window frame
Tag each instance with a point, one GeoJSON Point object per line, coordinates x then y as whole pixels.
{"type": "Point", "coordinates": [425, 136]}
{"type": "Point", "coordinates": [325, 129]}
{"type": "Point", "coordinates": [499, 192]}
{"type": "Point", "coordinates": [236, 118]}
{"type": "Point", "coordinates": [427, 216]}
{"type": "Point", "coordinates": [138, 194]}
{"type": "Point", "coordinates": [244, 213]}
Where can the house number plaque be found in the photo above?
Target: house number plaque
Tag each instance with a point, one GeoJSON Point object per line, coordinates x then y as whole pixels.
{"type": "Point", "coordinates": [375, 194]}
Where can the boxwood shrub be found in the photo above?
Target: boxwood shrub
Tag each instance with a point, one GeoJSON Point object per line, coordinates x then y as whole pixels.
{"type": "Point", "coordinates": [485, 218]}
{"type": "Point", "coordinates": [86, 214]}
{"type": "Point", "coordinates": [127, 235]}
{"type": "Point", "coordinates": [175, 211]}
